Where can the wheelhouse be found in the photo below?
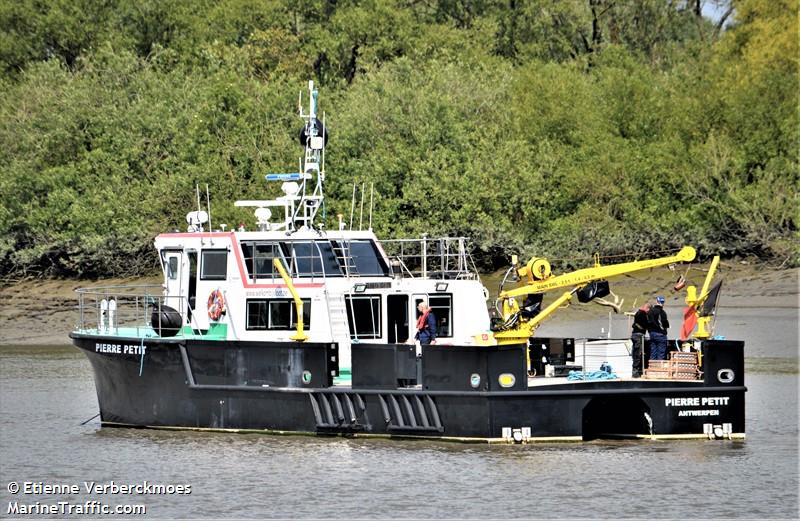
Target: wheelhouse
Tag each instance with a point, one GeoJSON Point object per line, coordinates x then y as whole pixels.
{"type": "Point", "coordinates": [351, 288]}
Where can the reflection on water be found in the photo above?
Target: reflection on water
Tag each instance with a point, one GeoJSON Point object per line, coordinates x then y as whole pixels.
{"type": "Point", "coordinates": [45, 393]}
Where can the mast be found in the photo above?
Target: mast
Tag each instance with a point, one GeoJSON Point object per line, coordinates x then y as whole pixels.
{"type": "Point", "coordinates": [303, 190]}
{"type": "Point", "coordinates": [313, 137]}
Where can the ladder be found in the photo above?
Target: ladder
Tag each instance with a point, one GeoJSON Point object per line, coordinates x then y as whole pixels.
{"type": "Point", "coordinates": [342, 251]}
{"type": "Point", "coordinates": [340, 330]}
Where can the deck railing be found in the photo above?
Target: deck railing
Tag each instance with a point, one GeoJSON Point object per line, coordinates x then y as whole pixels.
{"type": "Point", "coordinates": [431, 258]}
{"type": "Point", "coordinates": [116, 309]}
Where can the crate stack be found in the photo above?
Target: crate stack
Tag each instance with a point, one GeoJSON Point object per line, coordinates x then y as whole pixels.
{"type": "Point", "coordinates": [657, 369]}
{"type": "Point", "coordinates": [680, 366]}
{"type": "Point", "coordinates": [683, 366]}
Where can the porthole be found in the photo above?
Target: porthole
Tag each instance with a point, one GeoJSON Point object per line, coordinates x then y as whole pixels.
{"type": "Point", "coordinates": [726, 376]}
{"type": "Point", "coordinates": [474, 380]}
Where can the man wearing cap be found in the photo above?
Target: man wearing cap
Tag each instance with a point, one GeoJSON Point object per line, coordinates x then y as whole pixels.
{"type": "Point", "coordinates": [657, 325]}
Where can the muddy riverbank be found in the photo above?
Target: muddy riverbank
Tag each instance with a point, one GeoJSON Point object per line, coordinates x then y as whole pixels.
{"type": "Point", "coordinates": [44, 312]}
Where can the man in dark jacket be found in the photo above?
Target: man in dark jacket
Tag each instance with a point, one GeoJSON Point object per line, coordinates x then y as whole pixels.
{"type": "Point", "coordinates": [657, 325]}
{"type": "Point", "coordinates": [426, 325]}
{"type": "Point", "coordinates": [637, 337]}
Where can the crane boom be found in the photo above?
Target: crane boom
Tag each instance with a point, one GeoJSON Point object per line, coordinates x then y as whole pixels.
{"type": "Point", "coordinates": [587, 275]}
{"type": "Point", "coordinates": [516, 328]}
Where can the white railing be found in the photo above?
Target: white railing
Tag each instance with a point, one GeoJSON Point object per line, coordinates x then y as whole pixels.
{"type": "Point", "coordinates": [437, 258]}
{"type": "Point", "coordinates": [110, 309]}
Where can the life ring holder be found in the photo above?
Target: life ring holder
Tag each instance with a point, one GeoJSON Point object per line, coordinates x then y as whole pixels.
{"type": "Point", "coordinates": [216, 305]}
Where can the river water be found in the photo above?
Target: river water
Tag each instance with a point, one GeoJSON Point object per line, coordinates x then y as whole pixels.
{"type": "Point", "coordinates": [46, 392]}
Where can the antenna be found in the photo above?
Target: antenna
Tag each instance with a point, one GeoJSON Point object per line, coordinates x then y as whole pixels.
{"type": "Point", "coordinates": [322, 162]}
{"type": "Point", "coordinates": [321, 174]}
{"type": "Point", "coordinates": [208, 205]}
{"type": "Point", "coordinates": [352, 206]}
{"type": "Point", "coordinates": [313, 95]}
{"type": "Point", "coordinates": [197, 192]}
{"type": "Point", "coordinates": [361, 217]}
{"type": "Point", "coordinates": [371, 194]}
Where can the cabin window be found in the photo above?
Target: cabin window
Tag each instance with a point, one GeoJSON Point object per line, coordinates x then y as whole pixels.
{"type": "Point", "coordinates": [363, 258]}
{"type": "Point", "coordinates": [442, 307]}
{"type": "Point", "coordinates": [214, 265]}
{"type": "Point", "coordinates": [258, 258]}
{"type": "Point", "coordinates": [276, 314]}
{"type": "Point", "coordinates": [192, 256]}
{"type": "Point", "coordinates": [313, 259]}
{"type": "Point", "coordinates": [364, 315]}
{"type": "Point", "coordinates": [172, 268]}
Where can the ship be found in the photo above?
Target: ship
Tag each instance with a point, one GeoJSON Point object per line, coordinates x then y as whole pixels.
{"type": "Point", "coordinates": [292, 328]}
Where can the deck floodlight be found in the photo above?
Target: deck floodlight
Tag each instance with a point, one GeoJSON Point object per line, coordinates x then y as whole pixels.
{"type": "Point", "coordinates": [196, 218]}
{"type": "Point", "coordinates": [290, 188]}
{"type": "Point", "coordinates": [263, 215]}
{"type": "Point", "coordinates": [316, 142]}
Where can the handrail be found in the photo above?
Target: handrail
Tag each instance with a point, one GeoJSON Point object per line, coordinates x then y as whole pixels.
{"type": "Point", "coordinates": [326, 292]}
{"type": "Point", "coordinates": [291, 259]}
{"type": "Point", "coordinates": [436, 258]}
{"type": "Point", "coordinates": [300, 335]}
{"type": "Point", "coordinates": [131, 306]}
{"type": "Point", "coordinates": [117, 288]}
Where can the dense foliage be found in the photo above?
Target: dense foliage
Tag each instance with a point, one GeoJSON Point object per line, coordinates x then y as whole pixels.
{"type": "Point", "coordinates": [560, 128]}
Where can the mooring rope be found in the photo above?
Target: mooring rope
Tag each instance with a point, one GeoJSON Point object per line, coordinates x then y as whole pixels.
{"type": "Point", "coordinates": [141, 360]}
{"type": "Point", "coordinates": [90, 419]}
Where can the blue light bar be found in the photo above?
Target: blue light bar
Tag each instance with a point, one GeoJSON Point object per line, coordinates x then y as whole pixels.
{"type": "Point", "coordinates": [284, 177]}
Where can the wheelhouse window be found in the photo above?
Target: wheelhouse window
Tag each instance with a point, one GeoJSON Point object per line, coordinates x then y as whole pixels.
{"type": "Point", "coordinates": [214, 265]}
{"type": "Point", "coordinates": [171, 262]}
{"type": "Point", "coordinates": [172, 268]}
{"type": "Point", "coordinates": [276, 314]}
{"type": "Point", "coordinates": [442, 308]}
{"type": "Point", "coordinates": [364, 315]}
{"type": "Point", "coordinates": [258, 258]}
{"type": "Point", "coordinates": [362, 257]}
{"type": "Point", "coordinates": [312, 259]}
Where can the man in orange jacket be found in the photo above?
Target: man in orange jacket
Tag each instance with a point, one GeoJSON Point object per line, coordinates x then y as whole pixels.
{"type": "Point", "coordinates": [426, 324]}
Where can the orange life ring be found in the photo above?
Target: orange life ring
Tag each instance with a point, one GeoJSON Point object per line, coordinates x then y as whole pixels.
{"type": "Point", "coordinates": [216, 305]}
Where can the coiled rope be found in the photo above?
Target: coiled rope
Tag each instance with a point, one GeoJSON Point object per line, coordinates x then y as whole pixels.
{"type": "Point", "coordinates": [591, 375]}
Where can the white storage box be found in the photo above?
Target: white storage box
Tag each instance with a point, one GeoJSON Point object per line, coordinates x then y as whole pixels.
{"type": "Point", "coordinates": [617, 353]}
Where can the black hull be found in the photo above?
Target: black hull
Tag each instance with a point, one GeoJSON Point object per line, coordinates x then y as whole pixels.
{"type": "Point", "coordinates": [197, 384]}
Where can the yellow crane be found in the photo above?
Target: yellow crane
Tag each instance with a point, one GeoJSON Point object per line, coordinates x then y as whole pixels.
{"type": "Point", "coordinates": [696, 303]}
{"type": "Point", "coordinates": [536, 277]}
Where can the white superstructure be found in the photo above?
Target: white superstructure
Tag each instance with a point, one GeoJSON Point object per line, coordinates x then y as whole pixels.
{"type": "Point", "coordinates": [354, 288]}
